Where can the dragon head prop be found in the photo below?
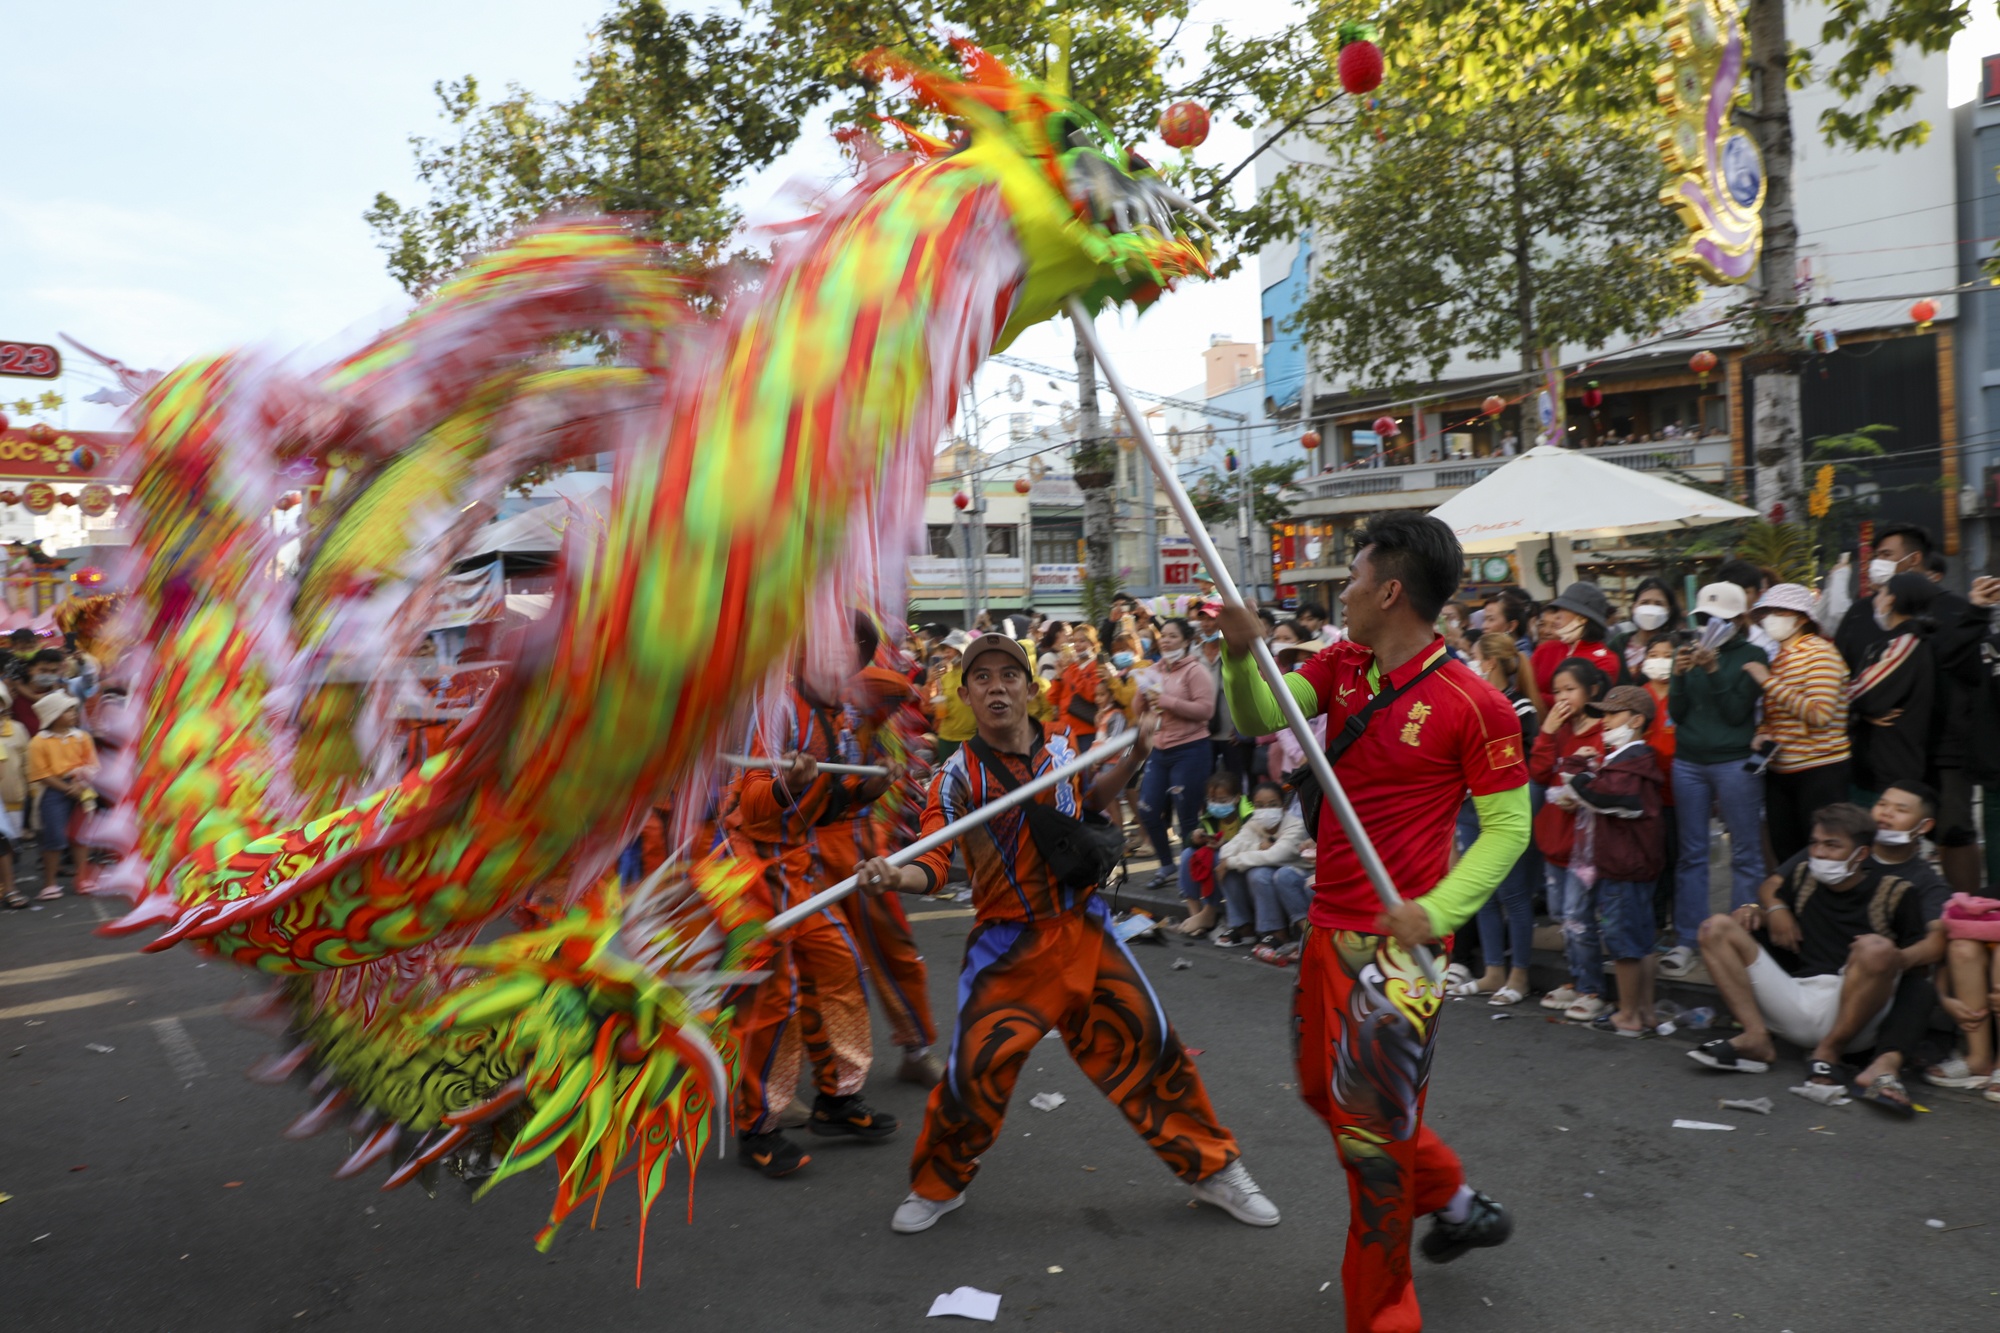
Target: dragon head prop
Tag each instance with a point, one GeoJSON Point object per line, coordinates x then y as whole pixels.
{"type": "Point", "coordinates": [1094, 219]}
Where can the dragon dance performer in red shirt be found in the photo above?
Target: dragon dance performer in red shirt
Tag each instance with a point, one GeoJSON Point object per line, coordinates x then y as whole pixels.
{"type": "Point", "coordinates": [1365, 1018]}
{"type": "Point", "coordinates": [1042, 958]}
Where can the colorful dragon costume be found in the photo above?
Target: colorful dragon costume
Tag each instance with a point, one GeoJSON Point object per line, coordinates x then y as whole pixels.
{"type": "Point", "coordinates": [770, 467]}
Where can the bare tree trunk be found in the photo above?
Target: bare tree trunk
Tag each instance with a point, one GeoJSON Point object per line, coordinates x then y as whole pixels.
{"type": "Point", "coordinates": [1778, 338]}
{"type": "Point", "coordinates": [1096, 471]}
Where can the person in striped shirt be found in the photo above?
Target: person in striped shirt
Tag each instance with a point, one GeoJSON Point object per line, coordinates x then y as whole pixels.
{"type": "Point", "coordinates": [1805, 716]}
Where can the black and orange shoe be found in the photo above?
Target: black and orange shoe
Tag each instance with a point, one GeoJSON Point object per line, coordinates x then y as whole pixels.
{"type": "Point", "coordinates": [834, 1116]}
{"type": "Point", "coordinates": [772, 1154]}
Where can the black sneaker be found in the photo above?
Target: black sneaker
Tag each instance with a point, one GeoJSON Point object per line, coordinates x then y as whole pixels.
{"type": "Point", "coordinates": [1486, 1224]}
{"type": "Point", "coordinates": [772, 1154]}
{"type": "Point", "coordinates": [834, 1116]}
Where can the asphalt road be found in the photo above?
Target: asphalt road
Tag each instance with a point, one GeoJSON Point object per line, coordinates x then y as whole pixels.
{"type": "Point", "coordinates": [151, 1189]}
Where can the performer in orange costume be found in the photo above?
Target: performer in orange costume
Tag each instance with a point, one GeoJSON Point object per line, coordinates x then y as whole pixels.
{"type": "Point", "coordinates": [1042, 957]}
{"type": "Point", "coordinates": [812, 1003]}
{"type": "Point", "coordinates": [885, 714]}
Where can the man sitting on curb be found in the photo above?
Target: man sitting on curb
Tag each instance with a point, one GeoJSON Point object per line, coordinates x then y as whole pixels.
{"type": "Point", "coordinates": [1816, 959]}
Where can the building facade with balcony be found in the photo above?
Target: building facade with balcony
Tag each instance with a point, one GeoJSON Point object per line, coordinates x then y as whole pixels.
{"type": "Point", "coordinates": [1877, 229]}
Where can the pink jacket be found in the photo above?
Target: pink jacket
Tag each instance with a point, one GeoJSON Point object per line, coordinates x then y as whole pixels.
{"type": "Point", "coordinates": [1187, 701]}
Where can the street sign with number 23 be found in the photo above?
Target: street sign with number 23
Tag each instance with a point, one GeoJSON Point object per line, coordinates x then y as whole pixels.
{"type": "Point", "coordinates": [35, 361]}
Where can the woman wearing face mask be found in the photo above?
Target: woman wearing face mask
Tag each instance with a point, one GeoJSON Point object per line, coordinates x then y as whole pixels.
{"type": "Point", "coordinates": [1891, 697]}
{"type": "Point", "coordinates": [1178, 768]}
{"type": "Point", "coordinates": [1805, 716]}
{"type": "Point", "coordinates": [1656, 614]}
{"type": "Point", "coordinates": [1579, 620]}
{"type": "Point", "coordinates": [1266, 872]}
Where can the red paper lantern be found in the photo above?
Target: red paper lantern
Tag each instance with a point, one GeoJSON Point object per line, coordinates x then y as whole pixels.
{"type": "Point", "coordinates": [1360, 67]}
{"type": "Point", "coordinates": [41, 433]}
{"type": "Point", "coordinates": [1184, 125]}
{"type": "Point", "coordinates": [1593, 397]}
{"type": "Point", "coordinates": [3, 422]}
{"type": "Point", "coordinates": [1022, 486]}
{"type": "Point", "coordinates": [960, 500]}
{"type": "Point", "coordinates": [1386, 428]}
{"type": "Point", "coordinates": [89, 575]}
{"type": "Point", "coordinates": [1702, 362]}
{"type": "Point", "coordinates": [1494, 405]}
{"type": "Point", "coordinates": [1309, 441]}
{"type": "Point", "coordinates": [10, 497]}
{"type": "Point", "coordinates": [65, 498]}
{"type": "Point", "coordinates": [1923, 312]}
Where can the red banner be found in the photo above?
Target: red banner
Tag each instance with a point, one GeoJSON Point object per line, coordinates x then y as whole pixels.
{"type": "Point", "coordinates": [43, 453]}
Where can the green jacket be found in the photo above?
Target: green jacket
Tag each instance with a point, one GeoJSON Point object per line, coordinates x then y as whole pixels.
{"type": "Point", "coordinates": [1715, 712]}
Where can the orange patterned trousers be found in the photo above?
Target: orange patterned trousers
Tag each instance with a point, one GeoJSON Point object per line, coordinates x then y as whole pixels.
{"type": "Point", "coordinates": [812, 1007]}
{"type": "Point", "coordinates": [1068, 975]}
{"type": "Point", "coordinates": [1366, 1023]}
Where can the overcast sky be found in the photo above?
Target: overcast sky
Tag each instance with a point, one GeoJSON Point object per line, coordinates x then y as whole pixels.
{"type": "Point", "coordinates": [188, 177]}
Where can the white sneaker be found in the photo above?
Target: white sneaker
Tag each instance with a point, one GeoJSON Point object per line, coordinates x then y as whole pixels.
{"type": "Point", "coordinates": [917, 1213]}
{"type": "Point", "coordinates": [1586, 1008]}
{"type": "Point", "coordinates": [1562, 997]}
{"type": "Point", "coordinates": [1232, 1190]}
{"type": "Point", "coordinates": [1677, 961]}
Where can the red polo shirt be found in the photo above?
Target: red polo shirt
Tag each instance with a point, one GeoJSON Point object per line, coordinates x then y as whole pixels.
{"type": "Point", "coordinates": [1407, 775]}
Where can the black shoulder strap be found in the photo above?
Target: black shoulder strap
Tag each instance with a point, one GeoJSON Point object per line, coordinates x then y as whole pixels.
{"type": "Point", "coordinates": [1358, 722]}
{"type": "Point", "coordinates": [991, 763]}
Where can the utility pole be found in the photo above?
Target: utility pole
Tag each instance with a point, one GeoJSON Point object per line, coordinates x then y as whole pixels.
{"type": "Point", "coordinates": [1778, 323]}
{"type": "Point", "coordinates": [1095, 463]}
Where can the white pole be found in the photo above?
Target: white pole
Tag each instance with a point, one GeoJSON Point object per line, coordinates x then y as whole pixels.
{"type": "Point", "coordinates": [1027, 791]}
{"type": "Point", "coordinates": [848, 770]}
{"type": "Point", "coordinates": [1295, 718]}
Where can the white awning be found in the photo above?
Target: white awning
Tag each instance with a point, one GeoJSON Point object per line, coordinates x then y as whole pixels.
{"type": "Point", "coordinates": [1564, 492]}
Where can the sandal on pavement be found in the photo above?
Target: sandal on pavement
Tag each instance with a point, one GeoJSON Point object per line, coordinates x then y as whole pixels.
{"type": "Point", "coordinates": [1954, 1073]}
{"type": "Point", "coordinates": [1586, 1008]}
{"type": "Point", "coordinates": [1505, 996]}
{"type": "Point", "coordinates": [15, 900]}
{"type": "Point", "coordinates": [1562, 997]}
{"type": "Point", "coordinates": [1465, 988]}
{"type": "Point", "coordinates": [53, 893]}
{"type": "Point", "coordinates": [1718, 1053]}
{"type": "Point", "coordinates": [1457, 974]}
{"type": "Point", "coordinates": [1826, 1071]}
{"type": "Point", "coordinates": [1888, 1093]}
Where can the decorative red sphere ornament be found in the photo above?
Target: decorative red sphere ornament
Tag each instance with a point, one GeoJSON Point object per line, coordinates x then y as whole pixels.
{"type": "Point", "coordinates": [1184, 125]}
{"type": "Point", "coordinates": [1309, 441]}
{"type": "Point", "coordinates": [10, 497]}
{"type": "Point", "coordinates": [1923, 312]}
{"type": "Point", "coordinates": [89, 576]}
{"type": "Point", "coordinates": [1360, 62]}
{"type": "Point", "coordinates": [65, 498]}
{"type": "Point", "coordinates": [1494, 405]}
{"type": "Point", "coordinates": [1701, 363]}
{"type": "Point", "coordinates": [83, 458]}
{"type": "Point", "coordinates": [960, 500]}
{"type": "Point", "coordinates": [41, 432]}
{"type": "Point", "coordinates": [1022, 486]}
{"type": "Point", "coordinates": [3, 422]}
{"type": "Point", "coordinates": [1386, 428]}
{"type": "Point", "coordinates": [1593, 397]}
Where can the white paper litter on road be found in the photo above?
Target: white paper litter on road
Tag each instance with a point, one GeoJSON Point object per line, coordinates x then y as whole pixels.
{"type": "Point", "coordinates": [1826, 1094]}
{"type": "Point", "coordinates": [1936, 1224]}
{"type": "Point", "coordinates": [968, 1303]}
{"type": "Point", "coordinates": [1047, 1101]}
{"type": "Point", "coordinates": [1133, 926]}
{"type": "Point", "coordinates": [99, 1047]}
{"type": "Point", "coordinates": [1761, 1105]}
{"type": "Point", "coordinates": [1700, 1124]}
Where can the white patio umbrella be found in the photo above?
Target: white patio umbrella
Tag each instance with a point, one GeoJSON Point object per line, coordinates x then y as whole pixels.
{"type": "Point", "coordinates": [1550, 491]}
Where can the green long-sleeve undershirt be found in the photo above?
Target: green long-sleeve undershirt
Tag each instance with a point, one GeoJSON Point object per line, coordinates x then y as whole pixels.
{"type": "Point", "coordinates": [1505, 817]}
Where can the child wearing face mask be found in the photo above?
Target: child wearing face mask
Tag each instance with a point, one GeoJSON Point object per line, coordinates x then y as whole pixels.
{"type": "Point", "coordinates": [1628, 849]}
{"type": "Point", "coordinates": [1266, 874]}
{"type": "Point", "coordinates": [1222, 817]}
{"type": "Point", "coordinates": [1805, 716]}
{"type": "Point", "coordinates": [1568, 745]}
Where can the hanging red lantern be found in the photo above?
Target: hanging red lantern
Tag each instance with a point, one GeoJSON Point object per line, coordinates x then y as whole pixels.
{"type": "Point", "coordinates": [1360, 62]}
{"type": "Point", "coordinates": [1309, 441]}
{"type": "Point", "coordinates": [65, 498]}
{"type": "Point", "coordinates": [1184, 125]}
{"type": "Point", "coordinates": [1494, 405]}
{"type": "Point", "coordinates": [89, 575]}
{"type": "Point", "coordinates": [1022, 486]}
{"type": "Point", "coordinates": [1386, 427]}
{"type": "Point", "coordinates": [1923, 312]}
{"type": "Point", "coordinates": [1701, 363]}
{"type": "Point", "coordinates": [3, 423]}
{"type": "Point", "coordinates": [960, 500]}
{"type": "Point", "coordinates": [10, 498]}
{"type": "Point", "coordinates": [41, 433]}
{"type": "Point", "coordinates": [1593, 397]}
